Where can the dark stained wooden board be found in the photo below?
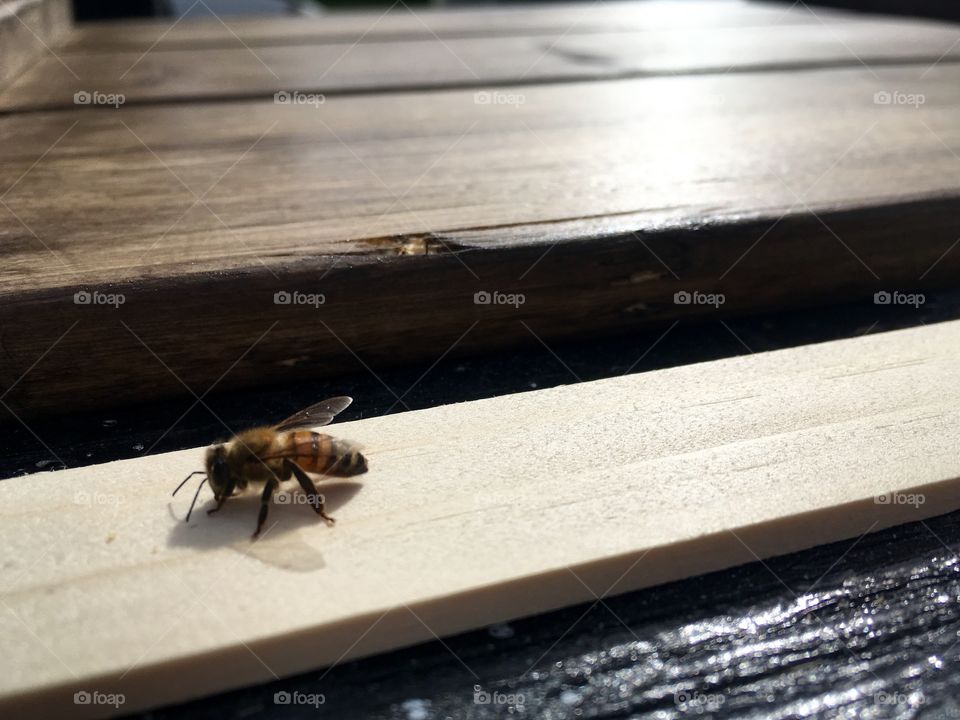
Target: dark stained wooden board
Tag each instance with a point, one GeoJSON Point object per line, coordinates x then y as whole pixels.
{"type": "Point", "coordinates": [240, 71]}
{"type": "Point", "coordinates": [401, 22]}
{"type": "Point", "coordinates": [597, 210]}
{"type": "Point", "coordinates": [290, 182]}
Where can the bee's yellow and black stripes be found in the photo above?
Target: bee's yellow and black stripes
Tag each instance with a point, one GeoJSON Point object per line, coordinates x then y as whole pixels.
{"type": "Point", "coordinates": [322, 454]}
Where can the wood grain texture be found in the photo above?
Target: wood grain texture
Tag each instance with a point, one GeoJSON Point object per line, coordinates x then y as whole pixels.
{"type": "Point", "coordinates": [400, 22]}
{"type": "Point", "coordinates": [243, 72]}
{"type": "Point", "coordinates": [530, 502]}
{"type": "Point", "coordinates": [28, 28]}
{"type": "Point", "coordinates": [697, 183]}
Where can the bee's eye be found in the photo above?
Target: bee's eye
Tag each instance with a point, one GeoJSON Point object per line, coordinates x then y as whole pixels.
{"type": "Point", "coordinates": [218, 476]}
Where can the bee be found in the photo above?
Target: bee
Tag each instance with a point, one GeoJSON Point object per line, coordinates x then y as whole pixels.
{"type": "Point", "coordinates": [271, 455]}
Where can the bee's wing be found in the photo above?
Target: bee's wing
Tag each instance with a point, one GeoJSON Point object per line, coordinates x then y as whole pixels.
{"type": "Point", "coordinates": [322, 413]}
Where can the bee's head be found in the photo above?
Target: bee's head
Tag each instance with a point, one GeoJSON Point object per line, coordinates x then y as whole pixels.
{"type": "Point", "coordinates": [216, 465]}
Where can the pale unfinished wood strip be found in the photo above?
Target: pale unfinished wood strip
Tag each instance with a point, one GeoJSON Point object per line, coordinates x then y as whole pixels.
{"type": "Point", "coordinates": [471, 514]}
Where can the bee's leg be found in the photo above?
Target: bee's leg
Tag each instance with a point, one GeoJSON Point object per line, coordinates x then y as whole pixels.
{"type": "Point", "coordinates": [316, 500]}
{"type": "Point", "coordinates": [227, 492]}
{"type": "Point", "coordinates": [265, 499]}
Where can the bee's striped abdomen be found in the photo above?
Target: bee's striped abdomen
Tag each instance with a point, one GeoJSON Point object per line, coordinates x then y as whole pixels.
{"type": "Point", "coordinates": [322, 454]}
{"type": "Point", "coordinates": [350, 461]}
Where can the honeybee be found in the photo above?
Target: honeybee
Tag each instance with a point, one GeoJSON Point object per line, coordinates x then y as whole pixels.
{"type": "Point", "coordinates": [273, 454]}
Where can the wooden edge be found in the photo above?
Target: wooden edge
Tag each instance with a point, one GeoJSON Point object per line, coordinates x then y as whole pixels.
{"type": "Point", "coordinates": [577, 280]}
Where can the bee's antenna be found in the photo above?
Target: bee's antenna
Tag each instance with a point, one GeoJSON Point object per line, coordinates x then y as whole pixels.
{"type": "Point", "coordinates": [195, 472]}
{"type": "Point", "coordinates": [196, 495]}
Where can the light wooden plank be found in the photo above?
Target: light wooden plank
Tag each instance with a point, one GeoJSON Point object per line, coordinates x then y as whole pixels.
{"type": "Point", "coordinates": [426, 23]}
{"type": "Point", "coordinates": [239, 72]}
{"type": "Point", "coordinates": [470, 514]}
{"type": "Point", "coordinates": [597, 201]}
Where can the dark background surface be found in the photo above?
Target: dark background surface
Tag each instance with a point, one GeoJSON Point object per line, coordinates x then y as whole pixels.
{"type": "Point", "coordinates": [866, 629]}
